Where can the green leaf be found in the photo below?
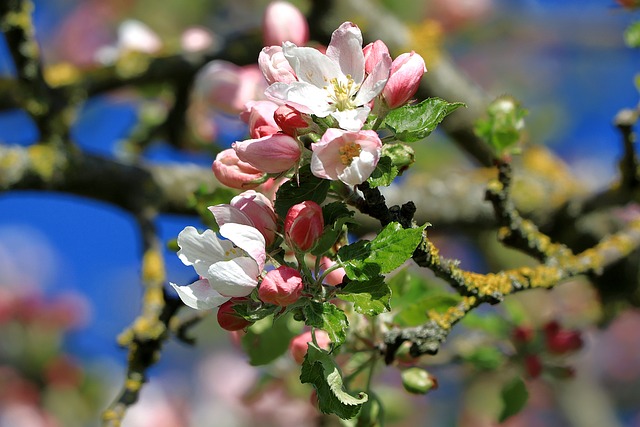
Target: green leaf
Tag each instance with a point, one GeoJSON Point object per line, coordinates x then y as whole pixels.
{"type": "Point", "coordinates": [369, 297]}
{"type": "Point", "coordinates": [329, 318]}
{"type": "Point", "coordinates": [389, 250]}
{"type": "Point", "coordinates": [298, 189]}
{"type": "Point", "coordinates": [632, 35]}
{"type": "Point", "coordinates": [383, 174]}
{"type": "Point", "coordinates": [485, 358]}
{"type": "Point", "coordinates": [514, 398]}
{"type": "Point", "coordinates": [412, 123]}
{"type": "Point", "coordinates": [402, 155]}
{"type": "Point", "coordinates": [267, 339]}
{"type": "Point", "coordinates": [320, 369]}
{"type": "Point", "coordinates": [416, 313]}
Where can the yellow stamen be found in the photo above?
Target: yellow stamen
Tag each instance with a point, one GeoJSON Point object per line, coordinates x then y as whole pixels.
{"type": "Point", "coordinates": [341, 92]}
{"type": "Point", "coordinates": [349, 152]}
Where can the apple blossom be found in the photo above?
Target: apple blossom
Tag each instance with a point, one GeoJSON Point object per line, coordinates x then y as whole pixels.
{"type": "Point", "coordinates": [259, 116]}
{"type": "Point", "coordinates": [350, 157]}
{"type": "Point", "coordinates": [303, 225]}
{"type": "Point", "coordinates": [292, 122]}
{"type": "Point", "coordinates": [274, 66]}
{"type": "Point", "coordinates": [229, 263]}
{"type": "Point", "coordinates": [249, 208]}
{"type": "Point", "coordinates": [271, 154]}
{"type": "Point", "coordinates": [233, 172]}
{"type": "Point", "coordinates": [284, 22]}
{"type": "Point", "coordinates": [282, 286]}
{"type": "Point", "coordinates": [333, 84]}
{"type": "Point", "coordinates": [300, 344]}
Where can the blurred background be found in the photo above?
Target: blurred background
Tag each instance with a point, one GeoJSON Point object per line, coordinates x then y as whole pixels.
{"type": "Point", "coordinates": [69, 266]}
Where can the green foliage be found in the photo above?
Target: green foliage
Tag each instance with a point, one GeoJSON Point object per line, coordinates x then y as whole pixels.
{"type": "Point", "coordinates": [266, 340]}
{"type": "Point", "coordinates": [485, 358]}
{"type": "Point", "coordinates": [492, 324]}
{"type": "Point", "coordinates": [402, 155]}
{"type": "Point", "coordinates": [632, 35]}
{"type": "Point", "coordinates": [503, 126]}
{"type": "Point", "coordinates": [320, 369]}
{"type": "Point", "coordinates": [304, 186]}
{"type": "Point", "coordinates": [412, 123]}
{"type": "Point", "coordinates": [336, 215]}
{"type": "Point", "coordinates": [328, 317]}
{"type": "Point", "coordinates": [514, 398]}
{"type": "Point", "coordinates": [370, 297]}
{"type": "Point", "coordinates": [394, 245]}
{"type": "Point", "coordinates": [384, 173]}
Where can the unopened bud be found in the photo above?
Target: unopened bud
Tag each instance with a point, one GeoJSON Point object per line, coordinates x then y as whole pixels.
{"type": "Point", "coordinates": [303, 225]}
{"type": "Point", "coordinates": [418, 381]}
{"type": "Point", "coordinates": [282, 286]}
{"type": "Point", "coordinates": [228, 319]}
{"type": "Point", "coordinates": [300, 344]}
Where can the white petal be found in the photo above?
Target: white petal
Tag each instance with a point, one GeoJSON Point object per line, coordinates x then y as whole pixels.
{"type": "Point", "coordinates": [199, 295]}
{"type": "Point", "coordinates": [304, 97]}
{"type": "Point", "coordinates": [375, 82]}
{"type": "Point", "coordinates": [352, 119]}
{"type": "Point", "coordinates": [227, 213]}
{"type": "Point", "coordinates": [201, 250]}
{"type": "Point", "coordinates": [345, 48]}
{"type": "Point", "coordinates": [248, 239]}
{"type": "Point", "coordinates": [359, 170]}
{"type": "Point", "coordinates": [310, 65]}
{"type": "Point", "coordinates": [235, 278]}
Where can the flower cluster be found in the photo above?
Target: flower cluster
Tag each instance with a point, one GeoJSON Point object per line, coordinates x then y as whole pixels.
{"type": "Point", "coordinates": [320, 108]}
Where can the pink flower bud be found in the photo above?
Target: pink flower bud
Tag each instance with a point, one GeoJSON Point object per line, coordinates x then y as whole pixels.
{"type": "Point", "coordinates": [522, 334]}
{"type": "Point", "coordinates": [271, 154]}
{"type": "Point", "coordinates": [233, 172]}
{"type": "Point", "coordinates": [334, 278]}
{"type": "Point", "coordinates": [291, 121]}
{"type": "Point", "coordinates": [561, 341]}
{"type": "Point", "coordinates": [228, 319]}
{"type": "Point", "coordinates": [303, 225]}
{"type": "Point", "coordinates": [260, 210]}
{"type": "Point", "coordinates": [274, 66]}
{"type": "Point", "coordinates": [196, 39]}
{"type": "Point", "coordinates": [299, 345]}
{"type": "Point", "coordinates": [373, 54]}
{"type": "Point", "coordinates": [259, 116]}
{"type": "Point", "coordinates": [284, 22]}
{"type": "Point", "coordinates": [282, 286]}
{"type": "Point", "coordinates": [533, 365]}
{"type": "Point", "coordinates": [227, 87]}
{"type": "Point", "coordinates": [406, 72]}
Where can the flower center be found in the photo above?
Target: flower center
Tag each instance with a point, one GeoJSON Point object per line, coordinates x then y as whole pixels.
{"type": "Point", "coordinates": [349, 152]}
{"type": "Point", "coordinates": [341, 93]}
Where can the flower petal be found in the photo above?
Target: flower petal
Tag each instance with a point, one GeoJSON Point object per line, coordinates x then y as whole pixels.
{"type": "Point", "coordinates": [375, 82]}
{"type": "Point", "coordinates": [235, 278]}
{"type": "Point", "coordinates": [227, 213]}
{"type": "Point", "coordinates": [199, 295]}
{"type": "Point", "coordinates": [352, 119]}
{"type": "Point", "coordinates": [248, 239]}
{"type": "Point", "coordinates": [304, 97]}
{"type": "Point", "coordinates": [345, 49]}
{"type": "Point", "coordinates": [201, 250]}
{"type": "Point", "coordinates": [359, 170]}
{"type": "Point", "coordinates": [311, 66]}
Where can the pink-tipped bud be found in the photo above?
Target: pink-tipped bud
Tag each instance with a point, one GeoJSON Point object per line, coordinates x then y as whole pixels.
{"type": "Point", "coordinates": [300, 344]}
{"type": "Point", "coordinates": [373, 54]}
{"type": "Point", "coordinates": [259, 116]}
{"type": "Point", "coordinates": [522, 334]}
{"type": "Point", "coordinates": [284, 22]}
{"type": "Point", "coordinates": [406, 72]}
{"type": "Point", "coordinates": [196, 39]}
{"type": "Point", "coordinates": [533, 365]}
{"type": "Point", "coordinates": [303, 225]}
{"type": "Point", "coordinates": [291, 121]}
{"type": "Point", "coordinates": [233, 172]}
{"type": "Point", "coordinates": [260, 210]}
{"type": "Point", "coordinates": [271, 154]}
{"type": "Point", "coordinates": [274, 66]}
{"type": "Point", "coordinates": [282, 286]}
{"type": "Point", "coordinates": [228, 319]}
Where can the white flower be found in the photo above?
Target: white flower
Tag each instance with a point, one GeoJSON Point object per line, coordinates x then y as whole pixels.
{"type": "Point", "coordinates": [229, 266]}
{"type": "Point", "coordinates": [333, 84]}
